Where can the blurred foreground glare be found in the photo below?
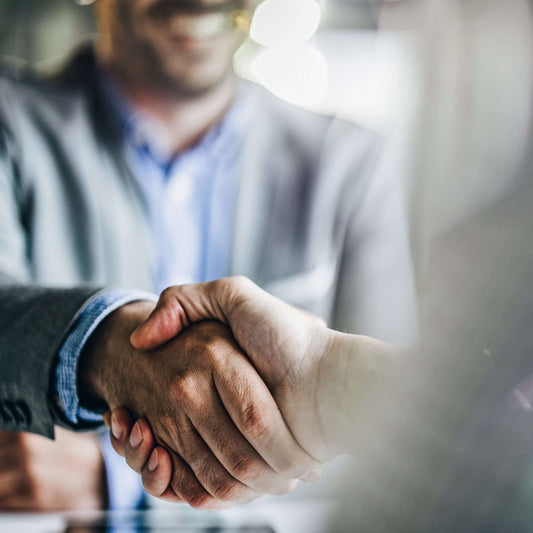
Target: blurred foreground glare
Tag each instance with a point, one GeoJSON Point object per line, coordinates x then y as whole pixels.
{"type": "Point", "coordinates": [286, 63]}
{"type": "Point", "coordinates": [298, 75]}
{"type": "Point", "coordinates": [282, 22]}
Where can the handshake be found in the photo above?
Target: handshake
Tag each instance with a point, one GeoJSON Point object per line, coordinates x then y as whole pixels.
{"type": "Point", "coordinates": [234, 393]}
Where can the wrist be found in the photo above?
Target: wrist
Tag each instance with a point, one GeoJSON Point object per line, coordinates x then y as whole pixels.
{"type": "Point", "coordinates": [331, 393]}
{"type": "Point", "coordinates": [108, 353]}
{"type": "Point", "coordinates": [357, 377]}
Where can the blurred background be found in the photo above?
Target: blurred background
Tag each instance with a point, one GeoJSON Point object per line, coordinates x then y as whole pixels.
{"type": "Point", "coordinates": [39, 30]}
{"type": "Point", "coordinates": [448, 83]}
{"type": "Point", "coordinates": [349, 58]}
{"type": "Point", "coordinates": [309, 52]}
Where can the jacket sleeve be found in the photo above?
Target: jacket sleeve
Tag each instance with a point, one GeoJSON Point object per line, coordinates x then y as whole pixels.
{"type": "Point", "coordinates": [376, 293]}
{"type": "Point", "coordinates": [33, 320]}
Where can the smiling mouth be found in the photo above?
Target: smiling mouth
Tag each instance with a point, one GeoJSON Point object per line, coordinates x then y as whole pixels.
{"type": "Point", "coordinates": [193, 22]}
{"type": "Point", "coordinates": [204, 26]}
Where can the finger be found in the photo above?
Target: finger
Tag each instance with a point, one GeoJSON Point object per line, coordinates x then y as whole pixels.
{"type": "Point", "coordinates": [139, 445]}
{"type": "Point", "coordinates": [121, 424]}
{"type": "Point", "coordinates": [205, 465]}
{"type": "Point", "coordinates": [18, 491]}
{"type": "Point", "coordinates": [257, 416]}
{"type": "Point", "coordinates": [187, 488]}
{"type": "Point", "coordinates": [20, 497]}
{"type": "Point", "coordinates": [170, 496]}
{"type": "Point", "coordinates": [212, 425]}
{"type": "Point", "coordinates": [14, 474]}
{"type": "Point", "coordinates": [157, 473]}
{"type": "Point", "coordinates": [8, 438]}
{"type": "Point", "coordinates": [176, 309]}
{"type": "Point", "coordinates": [164, 323]}
{"type": "Point", "coordinates": [17, 504]}
{"type": "Point", "coordinates": [12, 484]}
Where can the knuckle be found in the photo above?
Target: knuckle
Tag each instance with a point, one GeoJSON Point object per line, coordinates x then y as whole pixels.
{"type": "Point", "coordinates": [215, 352]}
{"type": "Point", "coordinates": [240, 282]}
{"type": "Point", "coordinates": [227, 490]}
{"type": "Point", "coordinates": [220, 284]}
{"type": "Point", "coordinates": [294, 465]}
{"type": "Point", "coordinates": [29, 489]}
{"type": "Point", "coordinates": [195, 461]}
{"type": "Point", "coordinates": [236, 287]}
{"type": "Point", "coordinates": [210, 344]}
{"type": "Point", "coordinates": [255, 422]}
{"type": "Point", "coordinates": [233, 289]}
{"type": "Point", "coordinates": [245, 468]}
{"type": "Point", "coordinates": [184, 389]}
{"type": "Point", "coordinates": [191, 492]}
{"type": "Point", "coordinates": [291, 467]}
{"type": "Point", "coordinates": [198, 499]}
{"type": "Point", "coordinates": [167, 295]}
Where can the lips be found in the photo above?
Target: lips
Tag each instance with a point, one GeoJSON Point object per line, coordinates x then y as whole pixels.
{"type": "Point", "coordinates": [205, 26]}
{"type": "Point", "coordinates": [196, 20]}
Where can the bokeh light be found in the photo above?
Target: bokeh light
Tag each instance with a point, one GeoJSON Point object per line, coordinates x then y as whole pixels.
{"type": "Point", "coordinates": [298, 74]}
{"type": "Point", "coordinates": [286, 22]}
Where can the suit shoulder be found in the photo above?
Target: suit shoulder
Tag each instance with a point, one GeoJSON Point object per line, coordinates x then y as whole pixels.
{"type": "Point", "coordinates": [15, 76]}
{"type": "Point", "coordinates": [28, 96]}
{"type": "Point", "coordinates": [311, 127]}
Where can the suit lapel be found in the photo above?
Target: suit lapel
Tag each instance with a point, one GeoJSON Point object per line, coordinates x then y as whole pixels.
{"type": "Point", "coordinates": [251, 218]}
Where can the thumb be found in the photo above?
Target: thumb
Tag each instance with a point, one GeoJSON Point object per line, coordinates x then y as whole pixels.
{"type": "Point", "coordinates": [164, 323]}
{"type": "Point", "coordinates": [176, 309]}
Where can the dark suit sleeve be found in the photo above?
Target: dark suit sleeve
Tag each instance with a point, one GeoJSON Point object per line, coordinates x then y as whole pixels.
{"type": "Point", "coordinates": [33, 320]}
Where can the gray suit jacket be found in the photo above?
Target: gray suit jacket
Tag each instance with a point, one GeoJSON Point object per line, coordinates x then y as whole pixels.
{"type": "Point", "coordinates": [316, 224]}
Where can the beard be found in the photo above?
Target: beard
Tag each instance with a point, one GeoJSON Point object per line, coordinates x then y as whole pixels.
{"type": "Point", "coordinates": [182, 48]}
{"type": "Point", "coordinates": [187, 76]}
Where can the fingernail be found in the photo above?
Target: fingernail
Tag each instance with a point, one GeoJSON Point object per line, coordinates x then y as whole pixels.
{"type": "Point", "coordinates": [116, 428]}
{"type": "Point", "coordinates": [313, 475]}
{"type": "Point", "coordinates": [153, 463]}
{"type": "Point", "coordinates": [136, 436]}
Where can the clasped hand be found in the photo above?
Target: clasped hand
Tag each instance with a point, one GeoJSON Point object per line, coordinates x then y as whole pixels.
{"type": "Point", "coordinates": [217, 429]}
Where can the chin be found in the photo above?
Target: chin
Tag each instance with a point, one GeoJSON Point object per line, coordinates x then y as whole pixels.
{"type": "Point", "coordinates": [195, 85]}
{"type": "Point", "coordinates": [184, 73]}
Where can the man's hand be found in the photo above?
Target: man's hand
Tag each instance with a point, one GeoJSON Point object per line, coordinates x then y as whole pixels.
{"type": "Point", "coordinates": [333, 389]}
{"type": "Point", "coordinates": [329, 386]}
{"type": "Point", "coordinates": [37, 474]}
{"type": "Point", "coordinates": [203, 400]}
{"type": "Point", "coordinates": [285, 344]}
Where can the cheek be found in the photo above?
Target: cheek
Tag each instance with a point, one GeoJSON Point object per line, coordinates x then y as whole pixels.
{"type": "Point", "coordinates": [148, 32]}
